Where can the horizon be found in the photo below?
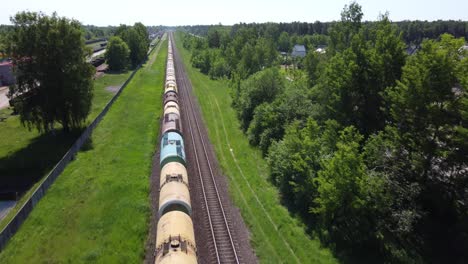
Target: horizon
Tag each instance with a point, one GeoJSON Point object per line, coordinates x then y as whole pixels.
{"type": "Point", "coordinates": [211, 12]}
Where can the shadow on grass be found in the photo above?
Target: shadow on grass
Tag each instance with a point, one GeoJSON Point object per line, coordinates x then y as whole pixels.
{"type": "Point", "coordinates": [20, 170]}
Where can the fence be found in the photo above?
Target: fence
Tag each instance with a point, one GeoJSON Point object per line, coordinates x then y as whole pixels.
{"type": "Point", "coordinates": [15, 223]}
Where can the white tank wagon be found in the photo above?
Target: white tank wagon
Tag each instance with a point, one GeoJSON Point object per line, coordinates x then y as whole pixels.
{"type": "Point", "coordinates": [174, 191]}
{"type": "Point", "coordinates": [175, 242]}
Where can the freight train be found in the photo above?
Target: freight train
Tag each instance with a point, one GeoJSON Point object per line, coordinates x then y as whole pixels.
{"type": "Point", "coordinates": [175, 240]}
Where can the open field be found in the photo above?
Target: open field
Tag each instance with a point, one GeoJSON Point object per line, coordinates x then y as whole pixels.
{"type": "Point", "coordinates": [98, 209]}
{"type": "Point", "coordinates": [30, 155]}
{"type": "Point", "coordinates": [276, 236]}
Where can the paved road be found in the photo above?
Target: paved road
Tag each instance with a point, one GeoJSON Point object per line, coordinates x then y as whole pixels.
{"type": "Point", "coordinates": [3, 98]}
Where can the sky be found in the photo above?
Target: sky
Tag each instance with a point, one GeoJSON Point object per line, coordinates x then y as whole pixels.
{"type": "Point", "coordinates": [205, 12]}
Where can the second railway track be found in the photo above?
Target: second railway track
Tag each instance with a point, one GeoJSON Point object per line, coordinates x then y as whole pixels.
{"type": "Point", "coordinates": [224, 247]}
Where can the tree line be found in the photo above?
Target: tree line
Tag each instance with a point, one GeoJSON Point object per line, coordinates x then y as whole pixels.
{"type": "Point", "coordinates": [366, 143]}
{"type": "Point", "coordinates": [414, 32]}
{"type": "Point", "coordinates": [54, 81]}
{"type": "Point", "coordinates": [128, 47]}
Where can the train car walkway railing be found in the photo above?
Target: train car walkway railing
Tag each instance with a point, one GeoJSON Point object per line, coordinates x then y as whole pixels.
{"type": "Point", "coordinates": [14, 224]}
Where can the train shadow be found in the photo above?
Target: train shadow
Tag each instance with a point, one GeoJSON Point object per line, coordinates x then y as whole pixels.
{"type": "Point", "coordinates": [20, 170]}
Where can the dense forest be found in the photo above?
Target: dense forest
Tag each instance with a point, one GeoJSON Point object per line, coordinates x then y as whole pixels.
{"type": "Point", "coordinates": [413, 31]}
{"type": "Point", "coordinates": [366, 143]}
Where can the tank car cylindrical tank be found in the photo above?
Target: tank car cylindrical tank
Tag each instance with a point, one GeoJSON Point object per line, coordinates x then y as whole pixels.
{"type": "Point", "coordinates": [171, 104]}
{"type": "Point", "coordinates": [172, 148]}
{"type": "Point", "coordinates": [171, 122]}
{"type": "Point", "coordinates": [174, 192]}
{"type": "Point", "coordinates": [170, 89]}
{"type": "Point", "coordinates": [175, 242]}
{"type": "Point", "coordinates": [171, 108]}
{"type": "Point", "coordinates": [170, 96]}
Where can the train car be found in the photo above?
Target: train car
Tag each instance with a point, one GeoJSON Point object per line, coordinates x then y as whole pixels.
{"type": "Point", "coordinates": [172, 149]}
{"type": "Point", "coordinates": [170, 96]}
{"type": "Point", "coordinates": [170, 89]}
{"type": "Point", "coordinates": [170, 77]}
{"type": "Point", "coordinates": [171, 121]}
{"type": "Point", "coordinates": [172, 105]}
{"type": "Point", "coordinates": [174, 191]}
{"type": "Point", "coordinates": [170, 86]}
{"type": "Point", "coordinates": [175, 242]}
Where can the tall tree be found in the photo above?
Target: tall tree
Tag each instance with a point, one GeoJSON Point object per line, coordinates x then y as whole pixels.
{"type": "Point", "coordinates": [214, 38]}
{"type": "Point", "coordinates": [259, 88]}
{"type": "Point", "coordinates": [342, 33]}
{"type": "Point", "coordinates": [284, 42]}
{"type": "Point", "coordinates": [53, 80]}
{"type": "Point", "coordinates": [143, 32]}
{"type": "Point", "coordinates": [136, 38]}
{"type": "Point", "coordinates": [117, 54]}
{"type": "Point", "coordinates": [428, 109]}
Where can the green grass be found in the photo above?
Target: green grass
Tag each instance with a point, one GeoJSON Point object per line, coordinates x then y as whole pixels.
{"type": "Point", "coordinates": [27, 156]}
{"type": "Point", "coordinates": [276, 236]}
{"type": "Point", "coordinates": [98, 209]}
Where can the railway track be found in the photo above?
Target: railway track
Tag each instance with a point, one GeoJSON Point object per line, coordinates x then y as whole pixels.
{"type": "Point", "coordinates": [224, 246]}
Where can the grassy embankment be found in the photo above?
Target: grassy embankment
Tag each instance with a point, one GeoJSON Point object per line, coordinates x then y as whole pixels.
{"type": "Point", "coordinates": [29, 155]}
{"type": "Point", "coordinates": [276, 236]}
{"type": "Point", "coordinates": [98, 209]}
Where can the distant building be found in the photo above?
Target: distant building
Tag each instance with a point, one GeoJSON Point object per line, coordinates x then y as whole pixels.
{"type": "Point", "coordinates": [298, 51]}
{"type": "Point", "coordinates": [321, 49]}
{"type": "Point", "coordinates": [6, 73]}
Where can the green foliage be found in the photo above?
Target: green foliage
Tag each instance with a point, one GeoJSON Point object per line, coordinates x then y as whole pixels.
{"type": "Point", "coordinates": [296, 159]}
{"type": "Point", "coordinates": [117, 54]}
{"type": "Point", "coordinates": [284, 43]}
{"type": "Point", "coordinates": [392, 186]}
{"type": "Point", "coordinates": [271, 119]}
{"type": "Point", "coordinates": [348, 197]}
{"type": "Point", "coordinates": [351, 86]}
{"type": "Point", "coordinates": [214, 38]}
{"type": "Point", "coordinates": [53, 80]}
{"type": "Point", "coordinates": [94, 32]}
{"type": "Point", "coordinates": [136, 38]}
{"type": "Point", "coordinates": [220, 68]}
{"type": "Point", "coordinates": [311, 65]}
{"type": "Point", "coordinates": [261, 87]}
{"type": "Point", "coordinates": [342, 33]}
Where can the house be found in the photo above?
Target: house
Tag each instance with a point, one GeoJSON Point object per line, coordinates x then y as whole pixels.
{"type": "Point", "coordinates": [298, 51]}
{"type": "Point", "coordinates": [6, 73]}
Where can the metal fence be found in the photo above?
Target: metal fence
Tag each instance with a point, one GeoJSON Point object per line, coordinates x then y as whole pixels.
{"type": "Point", "coordinates": [12, 227]}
